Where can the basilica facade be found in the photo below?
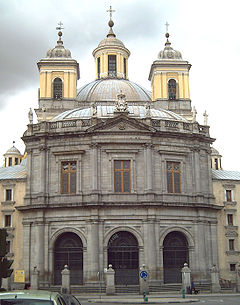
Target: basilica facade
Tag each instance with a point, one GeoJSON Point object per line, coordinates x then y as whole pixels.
{"type": "Point", "coordinates": [117, 174]}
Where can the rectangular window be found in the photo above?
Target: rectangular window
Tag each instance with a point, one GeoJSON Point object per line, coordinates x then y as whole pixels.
{"type": "Point", "coordinates": [232, 267]}
{"type": "Point", "coordinates": [7, 221]}
{"type": "Point", "coordinates": [68, 177]}
{"type": "Point", "coordinates": [112, 65]}
{"type": "Point", "coordinates": [230, 219]}
{"type": "Point", "coordinates": [228, 195]}
{"type": "Point", "coordinates": [122, 183]}
{"type": "Point", "coordinates": [216, 163]}
{"type": "Point", "coordinates": [8, 195]}
{"type": "Point", "coordinates": [10, 161]}
{"type": "Point", "coordinates": [98, 67]}
{"type": "Point", "coordinates": [173, 177]}
{"type": "Point", "coordinates": [16, 161]}
{"type": "Point", "coordinates": [231, 244]}
{"type": "Point", "coordinates": [125, 67]}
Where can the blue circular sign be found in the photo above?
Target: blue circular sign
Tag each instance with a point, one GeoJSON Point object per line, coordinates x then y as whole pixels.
{"type": "Point", "coordinates": [143, 274]}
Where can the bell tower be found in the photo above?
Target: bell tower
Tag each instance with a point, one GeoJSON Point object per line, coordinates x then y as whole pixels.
{"type": "Point", "coordinates": [111, 56]}
{"type": "Point", "coordinates": [169, 76]}
{"type": "Point", "coordinates": [58, 81]}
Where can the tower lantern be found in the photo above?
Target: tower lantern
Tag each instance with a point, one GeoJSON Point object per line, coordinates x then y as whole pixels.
{"type": "Point", "coordinates": [169, 76]}
{"type": "Point", "coordinates": [58, 80]}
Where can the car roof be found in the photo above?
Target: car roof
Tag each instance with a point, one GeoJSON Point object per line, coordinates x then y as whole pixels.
{"type": "Point", "coordinates": [29, 294]}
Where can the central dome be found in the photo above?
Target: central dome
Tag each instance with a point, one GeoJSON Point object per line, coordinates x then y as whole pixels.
{"type": "Point", "coordinates": [137, 112]}
{"type": "Point", "coordinates": [106, 90]}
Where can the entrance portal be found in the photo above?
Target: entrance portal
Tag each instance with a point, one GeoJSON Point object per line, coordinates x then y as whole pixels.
{"type": "Point", "coordinates": [68, 251]}
{"type": "Point", "coordinates": [175, 254]}
{"type": "Point", "coordinates": [123, 255]}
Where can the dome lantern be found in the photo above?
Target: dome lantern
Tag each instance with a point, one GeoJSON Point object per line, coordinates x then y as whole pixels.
{"type": "Point", "coordinates": [58, 80]}
{"type": "Point", "coordinates": [111, 56]}
{"type": "Point", "coordinates": [12, 156]}
{"type": "Point", "coordinates": [169, 76]}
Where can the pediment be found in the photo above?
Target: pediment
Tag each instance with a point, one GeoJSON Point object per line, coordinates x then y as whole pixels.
{"type": "Point", "coordinates": [121, 123]}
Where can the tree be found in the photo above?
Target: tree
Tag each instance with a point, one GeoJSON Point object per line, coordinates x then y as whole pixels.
{"type": "Point", "coordinates": [5, 264]}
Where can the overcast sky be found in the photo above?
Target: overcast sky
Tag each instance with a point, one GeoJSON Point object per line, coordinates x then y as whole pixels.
{"type": "Point", "coordinates": [206, 32]}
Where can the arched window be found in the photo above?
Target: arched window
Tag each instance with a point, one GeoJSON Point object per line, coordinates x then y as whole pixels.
{"type": "Point", "coordinates": [57, 88]}
{"type": "Point", "coordinates": [175, 255]}
{"type": "Point", "coordinates": [123, 255]}
{"type": "Point", "coordinates": [98, 67]}
{"type": "Point", "coordinates": [172, 89]}
{"type": "Point", "coordinates": [68, 250]}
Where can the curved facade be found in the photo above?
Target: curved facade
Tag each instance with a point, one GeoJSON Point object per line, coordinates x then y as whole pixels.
{"type": "Point", "coordinates": [118, 179]}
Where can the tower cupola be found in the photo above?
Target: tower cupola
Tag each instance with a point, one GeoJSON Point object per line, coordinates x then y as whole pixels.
{"type": "Point", "coordinates": [58, 81]}
{"type": "Point", "coordinates": [169, 76]}
{"type": "Point", "coordinates": [111, 56]}
{"type": "Point", "coordinates": [12, 156]}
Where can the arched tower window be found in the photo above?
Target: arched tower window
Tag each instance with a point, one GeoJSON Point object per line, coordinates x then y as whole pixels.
{"type": "Point", "coordinates": [172, 89]}
{"type": "Point", "coordinates": [57, 88]}
{"type": "Point", "coordinates": [112, 65]}
{"type": "Point", "coordinates": [98, 67]}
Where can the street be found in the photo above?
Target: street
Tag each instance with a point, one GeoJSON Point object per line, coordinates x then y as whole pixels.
{"type": "Point", "coordinates": [203, 300]}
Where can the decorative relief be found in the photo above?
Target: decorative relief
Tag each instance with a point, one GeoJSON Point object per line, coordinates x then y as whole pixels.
{"type": "Point", "coordinates": [121, 104]}
{"type": "Point", "coordinates": [121, 126]}
{"type": "Point", "coordinates": [66, 124]}
{"type": "Point", "coordinates": [231, 234]}
{"type": "Point", "coordinates": [86, 123]}
{"type": "Point", "coordinates": [186, 126]}
{"type": "Point", "coordinates": [171, 124]}
{"type": "Point", "coordinates": [156, 123]}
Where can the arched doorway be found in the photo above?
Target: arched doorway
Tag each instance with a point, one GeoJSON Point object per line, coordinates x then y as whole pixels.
{"type": "Point", "coordinates": [175, 254]}
{"type": "Point", "coordinates": [123, 255]}
{"type": "Point", "coordinates": [68, 250]}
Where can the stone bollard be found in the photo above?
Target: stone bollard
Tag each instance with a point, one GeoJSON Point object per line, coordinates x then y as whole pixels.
{"type": "Point", "coordinates": [35, 278]}
{"type": "Point", "coordinates": [186, 278]}
{"type": "Point", "coordinates": [144, 281]}
{"type": "Point", "coordinates": [110, 281]}
{"type": "Point", "coordinates": [215, 286]}
{"type": "Point", "coordinates": [65, 288]}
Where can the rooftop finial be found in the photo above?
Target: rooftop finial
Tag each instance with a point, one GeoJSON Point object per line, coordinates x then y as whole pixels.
{"type": "Point", "coordinates": [59, 28]}
{"type": "Point", "coordinates": [167, 25]}
{"type": "Point", "coordinates": [111, 23]}
{"type": "Point", "coordinates": [110, 12]}
{"type": "Point", "coordinates": [167, 34]}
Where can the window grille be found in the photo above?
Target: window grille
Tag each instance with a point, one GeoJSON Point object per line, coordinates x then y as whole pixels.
{"type": "Point", "coordinates": [57, 88]}
{"type": "Point", "coordinates": [173, 177]}
{"type": "Point", "coordinates": [172, 89]}
{"type": "Point", "coordinates": [112, 65]}
{"type": "Point", "coordinates": [98, 67]}
{"type": "Point", "coordinates": [122, 179]}
{"type": "Point", "coordinates": [68, 177]}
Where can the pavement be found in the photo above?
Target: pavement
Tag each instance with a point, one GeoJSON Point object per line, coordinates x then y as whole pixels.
{"type": "Point", "coordinates": [152, 299]}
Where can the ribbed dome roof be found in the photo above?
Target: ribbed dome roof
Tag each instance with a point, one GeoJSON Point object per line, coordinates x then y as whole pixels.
{"type": "Point", "coordinates": [107, 89]}
{"type": "Point", "coordinates": [169, 53]}
{"type": "Point", "coordinates": [12, 151]}
{"type": "Point", "coordinates": [138, 112]}
{"type": "Point", "coordinates": [59, 51]}
{"type": "Point", "coordinates": [111, 41]}
{"type": "Point", "coordinates": [214, 152]}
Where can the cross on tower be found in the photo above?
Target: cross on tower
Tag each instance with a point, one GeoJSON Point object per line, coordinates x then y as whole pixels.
{"type": "Point", "coordinates": [167, 25]}
{"type": "Point", "coordinates": [110, 12]}
{"type": "Point", "coordinates": [59, 28]}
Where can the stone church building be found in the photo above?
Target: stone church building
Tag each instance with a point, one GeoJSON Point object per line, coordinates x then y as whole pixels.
{"type": "Point", "coordinates": [117, 174]}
